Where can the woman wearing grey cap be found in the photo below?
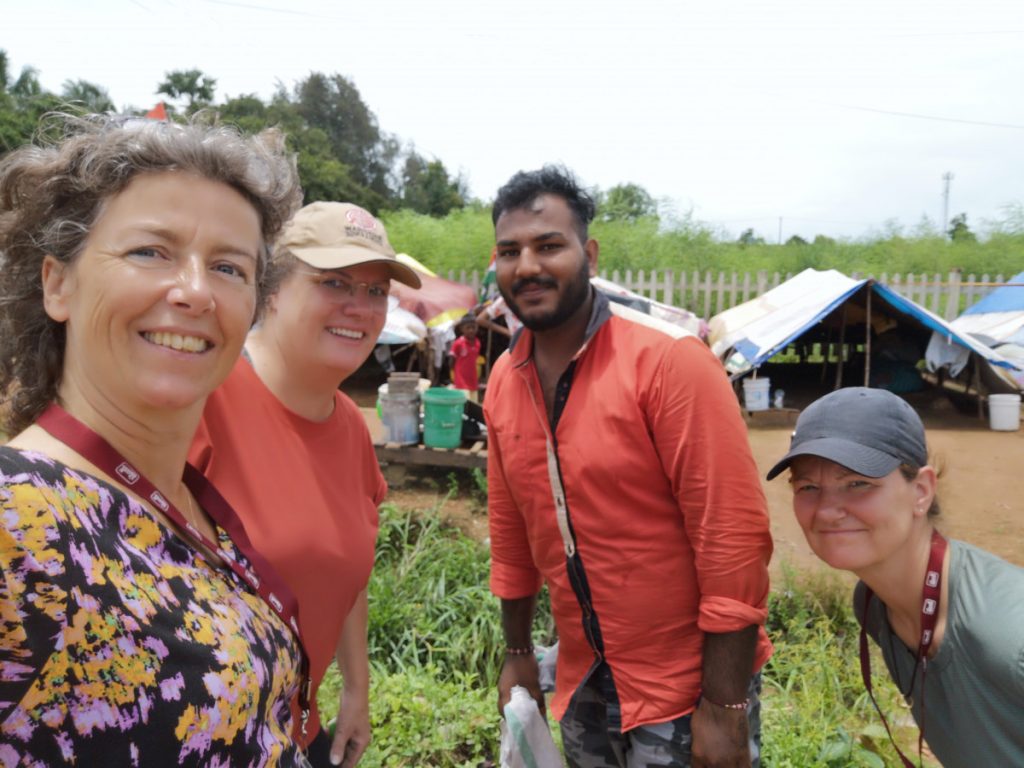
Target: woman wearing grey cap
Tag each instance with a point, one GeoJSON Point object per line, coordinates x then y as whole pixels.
{"type": "Point", "coordinates": [948, 617]}
{"type": "Point", "coordinates": [290, 450]}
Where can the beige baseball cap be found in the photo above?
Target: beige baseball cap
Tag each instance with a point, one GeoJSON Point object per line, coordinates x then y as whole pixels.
{"type": "Point", "coordinates": [328, 235]}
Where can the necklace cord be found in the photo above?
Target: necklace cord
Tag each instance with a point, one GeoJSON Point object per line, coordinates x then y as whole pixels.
{"type": "Point", "coordinates": [930, 595]}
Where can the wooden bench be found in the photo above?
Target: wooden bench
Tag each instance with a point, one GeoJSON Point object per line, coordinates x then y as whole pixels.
{"type": "Point", "coordinates": [474, 457]}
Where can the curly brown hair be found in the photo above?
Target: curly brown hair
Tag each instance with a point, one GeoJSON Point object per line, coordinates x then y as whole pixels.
{"type": "Point", "coordinates": [51, 194]}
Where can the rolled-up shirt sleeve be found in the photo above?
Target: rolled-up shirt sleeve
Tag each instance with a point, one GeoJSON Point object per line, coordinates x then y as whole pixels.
{"type": "Point", "coordinates": [702, 442]}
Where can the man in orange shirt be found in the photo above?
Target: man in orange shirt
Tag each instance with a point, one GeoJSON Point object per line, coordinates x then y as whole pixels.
{"type": "Point", "coordinates": [620, 475]}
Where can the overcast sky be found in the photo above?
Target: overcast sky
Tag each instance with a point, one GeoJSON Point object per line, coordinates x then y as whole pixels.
{"type": "Point", "coordinates": [836, 116]}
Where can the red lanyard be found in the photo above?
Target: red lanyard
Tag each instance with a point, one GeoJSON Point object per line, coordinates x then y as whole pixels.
{"type": "Point", "coordinates": [259, 574]}
{"type": "Point", "coordinates": [930, 594]}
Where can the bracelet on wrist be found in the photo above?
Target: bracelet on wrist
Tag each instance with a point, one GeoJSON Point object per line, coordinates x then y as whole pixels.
{"type": "Point", "coordinates": [740, 705]}
{"type": "Point", "coordinates": [526, 650]}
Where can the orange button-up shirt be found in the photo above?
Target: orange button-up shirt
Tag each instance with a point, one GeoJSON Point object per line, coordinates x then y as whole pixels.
{"type": "Point", "coordinates": [664, 502]}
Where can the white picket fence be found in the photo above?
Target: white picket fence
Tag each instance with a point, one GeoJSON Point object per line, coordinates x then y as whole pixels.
{"type": "Point", "coordinates": [709, 293]}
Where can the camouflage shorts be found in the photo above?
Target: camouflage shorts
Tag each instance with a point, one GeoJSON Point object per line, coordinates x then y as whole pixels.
{"type": "Point", "coordinates": [592, 739]}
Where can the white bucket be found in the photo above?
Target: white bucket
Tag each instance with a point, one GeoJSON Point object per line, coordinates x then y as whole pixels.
{"type": "Point", "coordinates": [1004, 412]}
{"type": "Point", "coordinates": [400, 414]}
{"type": "Point", "coordinates": [755, 393]}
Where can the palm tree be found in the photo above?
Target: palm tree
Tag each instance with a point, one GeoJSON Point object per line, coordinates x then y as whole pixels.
{"type": "Point", "coordinates": [190, 84]}
{"type": "Point", "coordinates": [92, 97]}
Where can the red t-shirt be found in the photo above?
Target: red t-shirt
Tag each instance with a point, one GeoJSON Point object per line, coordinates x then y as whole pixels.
{"type": "Point", "coordinates": [308, 494]}
{"type": "Point", "coordinates": [465, 354]}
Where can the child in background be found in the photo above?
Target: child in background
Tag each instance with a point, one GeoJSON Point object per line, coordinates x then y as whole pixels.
{"type": "Point", "coordinates": [464, 352]}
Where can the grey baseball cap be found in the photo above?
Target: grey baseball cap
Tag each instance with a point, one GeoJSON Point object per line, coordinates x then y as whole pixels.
{"type": "Point", "coordinates": [870, 431]}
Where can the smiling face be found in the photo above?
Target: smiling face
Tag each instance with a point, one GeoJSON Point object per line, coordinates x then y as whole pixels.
{"type": "Point", "coordinates": [327, 322]}
{"type": "Point", "coordinates": [542, 268]}
{"type": "Point", "coordinates": [854, 522]}
{"type": "Point", "coordinates": [158, 303]}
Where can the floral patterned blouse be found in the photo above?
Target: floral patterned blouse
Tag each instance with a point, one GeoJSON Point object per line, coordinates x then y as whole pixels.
{"type": "Point", "coordinates": [119, 644]}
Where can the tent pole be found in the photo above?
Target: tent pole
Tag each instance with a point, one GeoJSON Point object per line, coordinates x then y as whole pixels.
{"type": "Point", "coordinates": [842, 355]}
{"type": "Point", "coordinates": [977, 385]}
{"type": "Point", "coordinates": [824, 362]}
{"type": "Point", "coordinates": [867, 341]}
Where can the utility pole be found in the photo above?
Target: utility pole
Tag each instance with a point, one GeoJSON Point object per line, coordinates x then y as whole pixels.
{"type": "Point", "coordinates": [780, 230]}
{"type": "Point", "coordinates": [946, 177]}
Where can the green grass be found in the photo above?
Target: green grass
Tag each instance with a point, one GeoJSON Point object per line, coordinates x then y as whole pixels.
{"type": "Point", "coordinates": [435, 649]}
{"type": "Point", "coordinates": [816, 711]}
{"type": "Point", "coordinates": [435, 645]}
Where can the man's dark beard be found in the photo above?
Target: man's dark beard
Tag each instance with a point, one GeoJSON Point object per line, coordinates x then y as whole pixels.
{"type": "Point", "coordinates": [574, 296]}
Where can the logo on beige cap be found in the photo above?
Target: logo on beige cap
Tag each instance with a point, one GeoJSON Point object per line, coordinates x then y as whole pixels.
{"type": "Point", "coordinates": [361, 218]}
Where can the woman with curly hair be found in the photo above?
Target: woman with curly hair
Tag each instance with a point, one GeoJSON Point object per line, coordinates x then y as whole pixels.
{"type": "Point", "coordinates": [137, 625]}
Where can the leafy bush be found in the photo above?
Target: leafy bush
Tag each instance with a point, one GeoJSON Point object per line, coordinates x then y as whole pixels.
{"type": "Point", "coordinates": [463, 241]}
{"type": "Point", "coordinates": [435, 644]}
{"type": "Point", "coordinates": [430, 603]}
{"type": "Point", "coordinates": [815, 711]}
{"type": "Point", "coordinates": [422, 717]}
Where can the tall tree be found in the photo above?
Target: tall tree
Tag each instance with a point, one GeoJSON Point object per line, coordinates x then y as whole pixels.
{"type": "Point", "coordinates": [192, 85]}
{"type": "Point", "coordinates": [427, 188]}
{"type": "Point", "coordinates": [89, 96]}
{"type": "Point", "coordinates": [27, 85]}
{"type": "Point", "coordinates": [5, 66]}
{"type": "Point", "coordinates": [22, 102]}
{"type": "Point", "coordinates": [332, 103]}
{"type": "Point", "coordinates": [749, 237]}
{"type": "Point", "coordinates": [626, 202]}
{"type": "Point", "coordinates": [958, 230]}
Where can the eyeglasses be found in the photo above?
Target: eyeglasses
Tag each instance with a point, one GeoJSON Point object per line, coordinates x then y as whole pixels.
{"type": "Point", "coordinates": [339, 289]}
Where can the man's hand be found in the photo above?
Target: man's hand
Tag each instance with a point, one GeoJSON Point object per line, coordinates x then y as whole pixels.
{"type": "Point", "coordinates": [720, 737]}
{"type": "Point", "coordinates": [352, 731]}
{"type": "Point", "coordinates": [520, 670]}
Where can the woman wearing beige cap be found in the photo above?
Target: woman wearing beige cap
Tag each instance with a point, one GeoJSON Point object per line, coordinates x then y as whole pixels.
{"type": "Point", "coordinates": [294, 454]}
{"type": "Point", "coordinates": [948, 617]}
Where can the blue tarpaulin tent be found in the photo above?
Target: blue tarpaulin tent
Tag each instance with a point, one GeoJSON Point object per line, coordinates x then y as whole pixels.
{"type": "Point", "coordinates": [999, 317]}
{"type": "Point", "coordinates": [748, 335]}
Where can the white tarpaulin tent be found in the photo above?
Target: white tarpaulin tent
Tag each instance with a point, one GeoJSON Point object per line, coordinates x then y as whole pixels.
{"type": "Point", "coordinates": [748, 335]}
{"type": "Point", "coordinates": [999, 317]}
{"type": "Point", "coordinates": [401, 326]}
{"type": "Point", "coordinates": [656, 309]}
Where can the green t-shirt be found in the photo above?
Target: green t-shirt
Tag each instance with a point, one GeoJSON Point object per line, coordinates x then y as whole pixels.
{"type": "Point", "coordinates": [974, 688]}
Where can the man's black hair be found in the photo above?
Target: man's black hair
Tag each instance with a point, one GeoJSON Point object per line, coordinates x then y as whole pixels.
{"type": "Point", "coordinates": [526, 186]}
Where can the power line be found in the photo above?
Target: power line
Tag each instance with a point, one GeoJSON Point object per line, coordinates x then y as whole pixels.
{"type": "Point", "coordinates": [918, 116]}
{"type": "Point", "coordinates": [270, 9]}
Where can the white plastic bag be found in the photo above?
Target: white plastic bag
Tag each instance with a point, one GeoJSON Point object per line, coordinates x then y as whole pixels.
{"type": "Point", "coordinates": [525, 738]}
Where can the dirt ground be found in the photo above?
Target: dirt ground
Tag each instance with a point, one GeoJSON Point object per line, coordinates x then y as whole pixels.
{"type": "Point", "coordinates": [981, 488]}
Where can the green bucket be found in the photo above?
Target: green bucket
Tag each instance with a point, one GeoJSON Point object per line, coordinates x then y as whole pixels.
{"type": "Point", "coordinates": [442, 417]}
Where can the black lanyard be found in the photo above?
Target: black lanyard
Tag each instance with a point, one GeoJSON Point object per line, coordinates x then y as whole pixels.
{"type": "Point", "coordinates": [930, 594]}
{"type": "Point", "coordinates": [259, 574]}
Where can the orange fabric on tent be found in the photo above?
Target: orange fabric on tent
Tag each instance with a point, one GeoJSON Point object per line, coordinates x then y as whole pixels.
{"type": "Point", "coordinates": [159, 112]}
